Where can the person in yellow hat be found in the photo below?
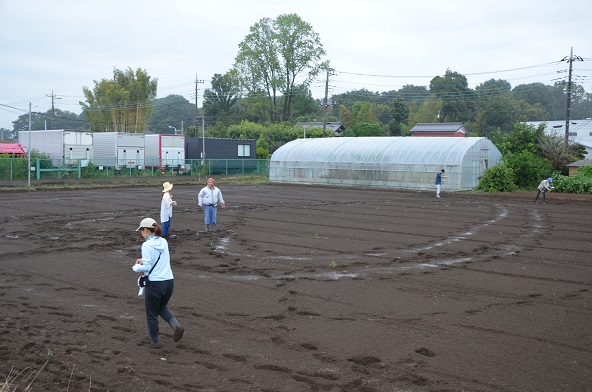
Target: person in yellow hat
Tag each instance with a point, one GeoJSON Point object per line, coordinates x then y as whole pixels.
{"type": "Point", "coordinates": [166, 208]}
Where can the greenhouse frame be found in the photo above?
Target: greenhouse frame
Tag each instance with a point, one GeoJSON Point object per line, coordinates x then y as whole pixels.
{"type": "Point", "coordinates": [384, 162]}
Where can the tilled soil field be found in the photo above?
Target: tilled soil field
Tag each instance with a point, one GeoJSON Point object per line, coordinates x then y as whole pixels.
{"type": "Point", "coordinates": [302, 289]}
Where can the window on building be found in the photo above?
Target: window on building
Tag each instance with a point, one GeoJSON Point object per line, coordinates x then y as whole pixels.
{"type": "Point", "coordinates": [244, 150]}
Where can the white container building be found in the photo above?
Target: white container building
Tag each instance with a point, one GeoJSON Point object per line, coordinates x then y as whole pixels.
{"type": "Point", "coordinates": [69, 146]}
{"type": "Point", "coordinates": [119, 149]}
{"type": "Point", "coordinates": [165, 151]}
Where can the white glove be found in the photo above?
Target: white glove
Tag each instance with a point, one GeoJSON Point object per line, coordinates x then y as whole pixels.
{"type": "Point", "coordinates": [136, 267]}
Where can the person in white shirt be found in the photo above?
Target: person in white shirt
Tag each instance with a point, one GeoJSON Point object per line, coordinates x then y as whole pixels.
{"type": "Point", "coordinates": [543, 187]}
{"type": "Point", "coordinates": [209, 198]}
{"type": "Point", "coordinates": [166, 208]}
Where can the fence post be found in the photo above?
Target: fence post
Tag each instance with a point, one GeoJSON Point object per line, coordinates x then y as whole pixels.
{"type": "Point", "coordinates": [37, 168]}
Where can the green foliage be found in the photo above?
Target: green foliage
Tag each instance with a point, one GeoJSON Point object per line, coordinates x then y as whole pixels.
{"type": "Point", "coordinates": [580, 182]}
{"type": "Point", "coordinates": [245, 130]}
{"type": "Point", "coordinates": [173, 110]}
{"type": "Point", "coordinates": [273, 56]}
{"type": "Point", "coordinates": [221, 101]}
{"type": "Point", "coordinates": [122, 104]}
{"type": "Point", "coordinates": [262, 148]}
{"type": "Point", "coordinates": [523, 137]}
{"type": "Point", "coordinates": [365, 129]}
{"type": "Point", "coordinates": [499, 178]}
{"type": "Point", "coordinates": [58, 119]}
{"type": "Point", "coordinates": [459, 100]}
{"type": "Point", "coordinates": [528, 168]}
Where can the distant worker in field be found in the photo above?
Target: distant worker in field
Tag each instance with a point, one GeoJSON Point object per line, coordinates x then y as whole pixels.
{"type": "Point", "coordinates": [543, 187]}
{"type": "Point", "coordinates": [166, 208]}
{"type": "Point", "coordinates": [209, 198]}
{"type": "Point", "coordinates": [439, 178]}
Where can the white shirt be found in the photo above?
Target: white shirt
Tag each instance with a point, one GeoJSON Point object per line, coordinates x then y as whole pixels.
{"type": "Point", "coordinates": [166, 208]}
{"type": "Point", "coordinates": [209, 196]}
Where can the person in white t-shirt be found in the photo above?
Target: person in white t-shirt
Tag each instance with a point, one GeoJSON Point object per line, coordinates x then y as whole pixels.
{"type": "Point", "coordinates": [166, 208]}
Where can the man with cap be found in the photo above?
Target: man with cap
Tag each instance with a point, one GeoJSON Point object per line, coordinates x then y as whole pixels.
{"type": "Point", "coordinates": [209, 198]}
{"type": "Point", "coordinates": [166, 208]}
{"type": "Point", "coordinates": [544, 186]}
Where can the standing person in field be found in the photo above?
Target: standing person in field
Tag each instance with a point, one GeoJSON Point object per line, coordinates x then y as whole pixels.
{"type": "Point", "coordinates": [439, 178]}
{"type": "Point", "coordinates": [209, 198]}
{"type": "Point", "coordinates": [166, 208]}
{"type": "Point", "coordinates": [156, 265]}
{"type": "Point", "coordinates": [543, 187]}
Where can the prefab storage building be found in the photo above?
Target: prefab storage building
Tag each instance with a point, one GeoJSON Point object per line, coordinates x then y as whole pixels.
{"type": "Point", "coordinates": [223, 155]}
{"type": "Point", "coordinates": [165, 151]}
{"type": "Point", "coordinates": [118, 149]}
{"type": "Point", "coordinates": [68, 147]}
{"type": "Point", "coordinates": [386, 162]}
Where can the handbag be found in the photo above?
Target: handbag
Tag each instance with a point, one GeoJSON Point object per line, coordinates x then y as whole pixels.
{"type": "Point", "coordinates": [143, 281]}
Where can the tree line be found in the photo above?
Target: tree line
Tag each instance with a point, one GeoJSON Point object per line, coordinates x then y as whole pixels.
{"type": "Point", "coordinates": [268, 90]}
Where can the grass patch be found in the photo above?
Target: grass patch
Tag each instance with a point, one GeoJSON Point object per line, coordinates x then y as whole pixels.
{"type": "Point", "coordinates": [115, 182]}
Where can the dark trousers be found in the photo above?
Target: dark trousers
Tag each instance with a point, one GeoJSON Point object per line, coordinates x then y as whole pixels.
{"type": "Point", "coordinates": [156, 298]}
{"type": "Point", "coordinates": [537, 196]}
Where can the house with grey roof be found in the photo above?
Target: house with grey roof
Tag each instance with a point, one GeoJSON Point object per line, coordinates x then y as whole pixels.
{"type": "Point", "coordinates": [336, 127]}
{"type": "Point", "coordinates": [573, 167]}
{"type": "Point", "coordinates": [456, 129]}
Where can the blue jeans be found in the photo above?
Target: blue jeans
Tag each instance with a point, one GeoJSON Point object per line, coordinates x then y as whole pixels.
{"type": "Point", "coordinates": [166, 226]}
{"type": "Point", "coordinates": [156, 298]}
{"type": "Point", "coordinates": [210, 215]}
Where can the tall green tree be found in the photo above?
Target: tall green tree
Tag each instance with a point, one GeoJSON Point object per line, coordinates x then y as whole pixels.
{"type": "Point", "coordinates": [221, 102]}
{"type": "Point", "coordinates": [62, 119]}
{"type": "Point", "coordinates": [348, 99]}
{"type": "Point", "coordinates": [172, 111]}
{"type": "Point", "coordinates": [458, 100]}
{"type": "Point", "coordinates": [275, 56]}
{"type": "Point", "coordinates": [399, 116]}
{"type": "Point", "coordinates": [413, 93]}
{"type": "Point", "coordinates": [121, 104]}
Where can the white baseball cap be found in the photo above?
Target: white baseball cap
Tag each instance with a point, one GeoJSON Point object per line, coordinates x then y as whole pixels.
{"type": "Point", "coordinates": [146, 222]}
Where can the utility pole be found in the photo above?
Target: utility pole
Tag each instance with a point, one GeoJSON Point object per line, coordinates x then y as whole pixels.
{"type": "Point", "coordinates": [196, 107]}
{"type": "Point", "coordinates": [52, 106]}
{"type": "Point", "coordinates": [326, 103]}
{"type": "Point", "coordinates": [571, 59]}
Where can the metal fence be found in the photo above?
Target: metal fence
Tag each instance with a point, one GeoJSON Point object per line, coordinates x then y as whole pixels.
{"type": "Point", "coordinates": [15, 169]}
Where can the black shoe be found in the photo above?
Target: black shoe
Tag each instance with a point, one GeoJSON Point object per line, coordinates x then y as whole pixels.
{"type": "Point", "coordinates": [156, 345]}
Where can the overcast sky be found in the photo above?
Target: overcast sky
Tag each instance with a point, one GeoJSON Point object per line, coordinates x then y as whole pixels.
{"type": "Point", "coordinates": [380, 45]}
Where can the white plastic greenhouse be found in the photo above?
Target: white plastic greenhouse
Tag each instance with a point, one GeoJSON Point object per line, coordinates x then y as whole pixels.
{"type": "Point", "coordinates": [386, 162]}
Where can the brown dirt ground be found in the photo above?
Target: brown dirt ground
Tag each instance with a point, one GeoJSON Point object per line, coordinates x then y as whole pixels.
{"type": "Point", "coordinates": [303, 289]}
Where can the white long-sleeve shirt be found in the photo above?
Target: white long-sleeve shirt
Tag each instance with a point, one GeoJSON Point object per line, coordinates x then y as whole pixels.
{"type": "Point", "coordinates": [166, 208]}
{"type": "Point", "coordinates": [208, 196]}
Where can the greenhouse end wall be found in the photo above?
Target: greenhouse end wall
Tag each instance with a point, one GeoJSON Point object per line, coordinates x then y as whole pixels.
{"type": "Point", "coordinates": [384, 162]}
